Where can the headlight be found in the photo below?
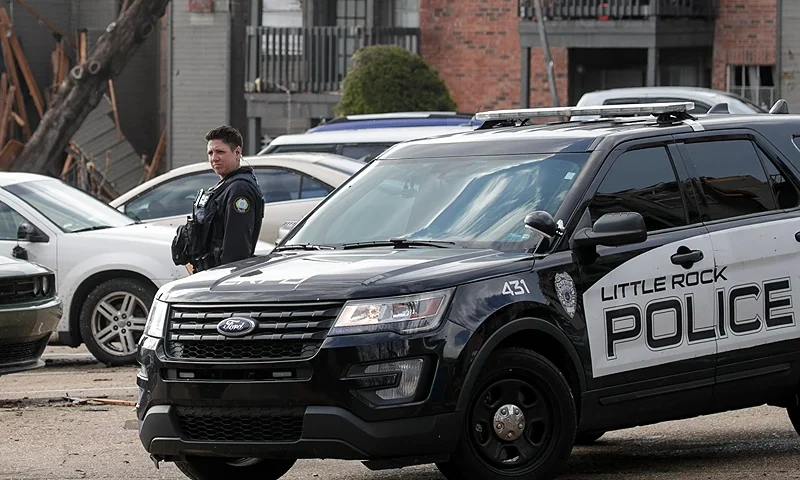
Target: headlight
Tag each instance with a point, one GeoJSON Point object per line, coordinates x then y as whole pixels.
{"type": "Point", "coordinates": [155, 319]}
{"type": "Point", "coordinates": [407, 314]}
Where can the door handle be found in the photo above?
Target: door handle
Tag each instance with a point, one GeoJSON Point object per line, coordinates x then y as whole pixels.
{"type": "Point", "coordinates": [690, 257]}
{"type": "Point", "coordinates": [797, 236]}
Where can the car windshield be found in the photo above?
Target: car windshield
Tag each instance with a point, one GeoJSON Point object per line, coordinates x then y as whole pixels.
{"type": "Point", "coordinates": [474, 202]}
{"type": "Point", "coordinates": [71, 209]}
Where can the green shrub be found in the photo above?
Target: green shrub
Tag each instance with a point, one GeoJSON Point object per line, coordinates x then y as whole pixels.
{"type": "Point", "coordinates": [386, 78]}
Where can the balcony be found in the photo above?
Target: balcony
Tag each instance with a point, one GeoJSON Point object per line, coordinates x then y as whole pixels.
{"type": "Point", "coordinates": [606, 10]}
{"type": "Point", "coordinates": [313, 59]}
{"type": "Point", "coordinates": [620, 23]}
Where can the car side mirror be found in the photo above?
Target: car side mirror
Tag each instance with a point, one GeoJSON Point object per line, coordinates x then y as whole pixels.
{"type": "Point", "coordinates": [29, 233]}
{"type": "Point", "coordinates": [541, 222]}
{"type": "Point", "coordinates": [612, 230]}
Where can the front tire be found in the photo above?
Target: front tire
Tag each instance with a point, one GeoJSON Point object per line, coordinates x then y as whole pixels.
{"type": "Point", "coordinates": [516, 388]}
{"type": "Point", "coordinates": [113, 317]}
{"type": "Point", "coordinates": [213, 468]}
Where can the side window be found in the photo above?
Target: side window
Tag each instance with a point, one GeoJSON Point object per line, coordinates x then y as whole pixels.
{"type": "Point", "coordinates": [642, 181]}
{"type": "Point", "coordinates": [786, 195]}
{"type": "Point", "coordinates": [9, 222]}
{"type": "Point", "coordinates": [171, 198]}
{"type": "Point", "coordinates": [313, 188]}
{"type": "Point", "coordinates": [733, 180]}
{"type": "Point", "coordinates": [364, 152]}
{"type": "Point", "coordinates": [278, 185]}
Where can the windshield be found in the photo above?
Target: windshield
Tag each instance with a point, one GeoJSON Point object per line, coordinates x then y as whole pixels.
{"type": "Point", "coordinates": [474, 202]}
{"type": "Point", "coordinates": [69, 208]}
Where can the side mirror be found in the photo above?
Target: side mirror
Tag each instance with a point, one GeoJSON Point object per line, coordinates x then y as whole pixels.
{"type": "Point", "coordinates": [29, 233]}
{"type": "Point", "coordinates": [612, 230]}
{"type": "Point", "coordinates": [542, 222]}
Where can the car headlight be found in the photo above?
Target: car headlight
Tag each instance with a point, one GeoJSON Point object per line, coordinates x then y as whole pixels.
{"type": "Point", "coordinates": [155, 319]}
{"type": "Point", "coordinates": [406, 314]}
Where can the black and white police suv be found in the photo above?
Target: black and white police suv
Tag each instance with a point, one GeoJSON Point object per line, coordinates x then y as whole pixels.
{"type": "Point", "coordinates": [484, 300]}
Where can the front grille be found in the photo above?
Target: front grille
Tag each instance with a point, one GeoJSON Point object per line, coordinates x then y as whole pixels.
{"type": "Point", "coordinates": [283, 331]}
{"type": "Point", "coordinates": [28, 288]}
{"type": "Point", "coordinates": [22, 352]}
{"type": "Point", "coordinates": [242, 424]}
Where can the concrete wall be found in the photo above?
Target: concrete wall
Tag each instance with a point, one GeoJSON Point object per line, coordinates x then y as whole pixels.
{"type": "Point", "coordinates": [200, 79]}
{"type": "Point", "coordinates": [790, 53]}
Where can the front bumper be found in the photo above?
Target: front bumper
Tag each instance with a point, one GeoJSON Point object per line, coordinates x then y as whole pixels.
{"type": "Point", "coordinates": [327, 432]}
{"type": "Point", "coordinates": [24, 333]}
{"type": "Point", "coordinates": [322, 407]}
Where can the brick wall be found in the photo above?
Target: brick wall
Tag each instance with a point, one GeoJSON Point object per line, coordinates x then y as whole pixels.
{"type": "Point", "coordinates": [745, 35]}
{"type": "Point", "coordinates": [474, 45]}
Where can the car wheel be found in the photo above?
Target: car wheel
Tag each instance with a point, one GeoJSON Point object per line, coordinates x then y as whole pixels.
{"type": "Point", "coordinates": [113, 317]}
{"type": "Point", "coordinates": [519, 424]}
{"type": "Point", "coordinates": [794, 416]}
{"type": "Point", "coordinates": [588, 438]}
{"type": "Point", "coordinates": [212, 468]}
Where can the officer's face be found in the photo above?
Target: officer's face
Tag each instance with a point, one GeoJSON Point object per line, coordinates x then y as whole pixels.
{"type": "Point", "coordinates": [223, 160]}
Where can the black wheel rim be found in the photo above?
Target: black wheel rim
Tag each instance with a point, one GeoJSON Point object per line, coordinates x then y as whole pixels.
{"type": "Point", "coordinates": [511, 450]}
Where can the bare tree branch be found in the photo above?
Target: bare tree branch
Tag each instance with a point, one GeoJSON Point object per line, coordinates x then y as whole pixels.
{"type": "Point", "coordinates": [86, 84]}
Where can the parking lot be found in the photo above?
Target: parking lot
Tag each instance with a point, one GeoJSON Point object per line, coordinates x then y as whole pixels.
{"type": "Point", "coordinates": [73, 419]}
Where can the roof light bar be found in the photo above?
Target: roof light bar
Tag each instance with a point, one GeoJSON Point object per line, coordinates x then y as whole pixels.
{"type": "Point", "coordinates": [632, 109]}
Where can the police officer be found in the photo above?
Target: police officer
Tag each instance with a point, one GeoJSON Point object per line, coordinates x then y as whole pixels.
{"type": "Point", "coordinates": [226, 219]}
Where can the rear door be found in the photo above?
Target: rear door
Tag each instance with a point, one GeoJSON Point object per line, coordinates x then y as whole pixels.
{"type": "Point", "coordinates": [752, 207]}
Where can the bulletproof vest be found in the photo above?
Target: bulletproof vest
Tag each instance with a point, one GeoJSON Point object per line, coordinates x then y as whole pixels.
{"type": "Point", "coordinates": [193, 240]}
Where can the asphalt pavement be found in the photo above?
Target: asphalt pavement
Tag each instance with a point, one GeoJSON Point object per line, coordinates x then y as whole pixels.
{"type": "Point", "coordinates": [73, 419]}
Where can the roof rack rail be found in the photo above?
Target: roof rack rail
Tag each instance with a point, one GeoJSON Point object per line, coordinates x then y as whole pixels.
{"type": "Point", "coordinates": [666, 112]}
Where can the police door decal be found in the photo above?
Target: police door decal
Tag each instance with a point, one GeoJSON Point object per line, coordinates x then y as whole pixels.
{"type": "Point", "coordinates": [756, 305]}
{"type": "Point", "coordinates": [654, 310]}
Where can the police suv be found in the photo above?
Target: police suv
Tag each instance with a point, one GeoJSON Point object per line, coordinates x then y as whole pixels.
{"type": "Point", "coordinates": [485, 300]}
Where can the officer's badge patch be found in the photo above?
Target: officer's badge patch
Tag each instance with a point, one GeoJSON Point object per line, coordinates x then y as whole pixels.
{"type": "Point", "coordinates": [565, 289]}
{"type": "Point", "coordinates": [241, 205]}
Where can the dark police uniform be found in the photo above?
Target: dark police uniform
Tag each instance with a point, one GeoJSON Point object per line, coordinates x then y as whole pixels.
{"type": "Point", "coordinates": [225, 223]}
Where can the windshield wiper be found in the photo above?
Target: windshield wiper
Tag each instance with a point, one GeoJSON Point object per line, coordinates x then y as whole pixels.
{"type": "Point", "coordinates": [303, 246]}
{"type": "Point", "coordinates": [399, 243]}
{"type": "Point", "coordinates": [96, 227]}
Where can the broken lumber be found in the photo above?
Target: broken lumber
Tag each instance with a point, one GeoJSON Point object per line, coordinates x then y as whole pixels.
{"type": "Point", "coordinates": [24, 66]}
{"type": "Point", "coordinates": [11, 68]}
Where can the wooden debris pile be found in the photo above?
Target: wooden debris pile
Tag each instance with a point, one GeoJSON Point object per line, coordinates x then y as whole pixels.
{"type": "Point", "coordinates": [80, 169]}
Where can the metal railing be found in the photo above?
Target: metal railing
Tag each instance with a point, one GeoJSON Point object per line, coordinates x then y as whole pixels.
{"type": "Point", "coordinates": [314, 59]}
{"type": "Point", "coordinates": [761, 96]}
{"type": "Point", "coordinates": [618, 9]}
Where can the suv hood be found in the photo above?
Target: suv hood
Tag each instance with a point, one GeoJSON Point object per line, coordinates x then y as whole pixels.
{"type": "Point", "coordinates": [337, 275]}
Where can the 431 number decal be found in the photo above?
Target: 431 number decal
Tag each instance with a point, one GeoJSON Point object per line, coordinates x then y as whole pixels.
{"type": "Point", "coordinates": [516, 287]}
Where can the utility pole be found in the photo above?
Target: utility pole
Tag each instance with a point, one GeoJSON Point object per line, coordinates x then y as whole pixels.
{"type": "Point", "coordinates": [551, 76]}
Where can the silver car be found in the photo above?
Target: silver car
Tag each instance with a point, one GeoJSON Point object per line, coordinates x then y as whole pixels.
{"type": "Point", "coordinates": [703, 98]}
{"type": "Point", "coordinates": [292, 185]}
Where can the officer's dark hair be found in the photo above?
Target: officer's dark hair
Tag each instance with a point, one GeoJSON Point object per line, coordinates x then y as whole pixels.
{"type": "Point", "coordinates": [227, 134]}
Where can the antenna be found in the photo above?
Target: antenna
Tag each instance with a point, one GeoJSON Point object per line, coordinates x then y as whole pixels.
{"type": "Point", "coordinates": [781, 107]}
{"type": "Point", "coordinates": [719, 108]}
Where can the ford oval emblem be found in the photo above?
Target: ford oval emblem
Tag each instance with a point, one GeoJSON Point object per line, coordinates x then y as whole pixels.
{"type": "Point", "coordinates": [236, 326]}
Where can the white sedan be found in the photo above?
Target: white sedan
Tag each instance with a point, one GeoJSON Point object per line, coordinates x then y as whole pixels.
{"type": "Point", "coordinates": [292, 185]}
{"type": "Point", "coordinates": [107, 266]}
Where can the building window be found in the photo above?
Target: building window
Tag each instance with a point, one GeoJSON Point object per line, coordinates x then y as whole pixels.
{"type": "Point", "coordinates": [282, 13]}
{"type": "Point", "coordinates": [406, 13]}
{"type": "Point", "coordinates": [754, 82]}
{"type": "Point", "coordinates": [279, 14]}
